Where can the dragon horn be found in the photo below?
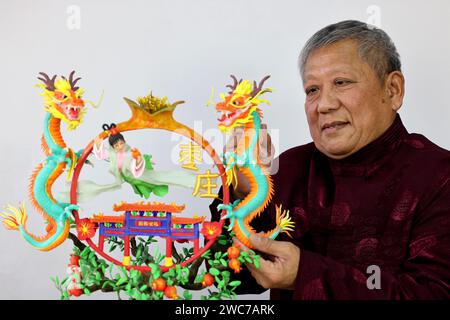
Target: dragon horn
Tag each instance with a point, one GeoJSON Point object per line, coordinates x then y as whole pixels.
{"type": "Point", "coordinates": [49, 83]}
{"type": "Point", "coordinates": [72, 81]}
{"type": "Point", "coordinates": [258, 88]}
{"type": "Point", "coordinates": [235, 83]}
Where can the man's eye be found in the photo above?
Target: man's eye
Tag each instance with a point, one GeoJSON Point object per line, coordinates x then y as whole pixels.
{"type": "Point", "coordinates": [310, 91]}
{"type": "Point", "coordinates": [342, 82]}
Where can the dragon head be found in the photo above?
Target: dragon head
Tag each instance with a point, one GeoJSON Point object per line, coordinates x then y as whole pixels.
{"type": "Point", "coordinates": [237, 107]}
{"type": "Point", "coordinates": [63, 99]}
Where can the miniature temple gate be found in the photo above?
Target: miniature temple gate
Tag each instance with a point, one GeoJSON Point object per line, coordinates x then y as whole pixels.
{"type": "Point", "coordinates": [148, 219]}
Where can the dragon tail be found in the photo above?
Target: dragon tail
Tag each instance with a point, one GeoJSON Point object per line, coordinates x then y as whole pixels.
{"type": "Point", "coordinates": [284, 223]}
{"type": "Point", "coordinates": [15, 218]}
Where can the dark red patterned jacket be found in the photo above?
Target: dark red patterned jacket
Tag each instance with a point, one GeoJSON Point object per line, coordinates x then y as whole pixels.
{"type": "Point", "coordinates": [387, 205]}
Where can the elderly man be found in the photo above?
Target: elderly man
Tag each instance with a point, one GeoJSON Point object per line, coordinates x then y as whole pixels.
{"type": "Point", "coordinates": [371, 202]}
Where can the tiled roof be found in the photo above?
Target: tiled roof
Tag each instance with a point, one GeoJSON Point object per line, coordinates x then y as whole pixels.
{"type": "Point", "coordinates": [155, 206]}
{"type": "Point", "coordinates": [187, 220]}
{"type": "Point", "coordinates": [101, 218]}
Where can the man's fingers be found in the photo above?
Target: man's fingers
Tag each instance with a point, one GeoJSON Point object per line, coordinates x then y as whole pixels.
{"type": "Point", "coordinates": [262, 273]}
{"type": "Point", "coordinates": [239, 245]}
{"type": "Point", "coordinates": [266, 245]}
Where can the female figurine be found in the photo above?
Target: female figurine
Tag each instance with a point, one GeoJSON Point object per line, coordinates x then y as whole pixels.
{"type": "Point", "coordinates": [130, 166]}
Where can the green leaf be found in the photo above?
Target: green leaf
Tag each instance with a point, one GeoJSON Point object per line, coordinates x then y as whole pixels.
{"type": "Point", "coordinates": [143, 288]}
{"type": "Point", "coordinates": [87, 291]}
{"type": "Point", "coordinates": [198, 278]}
{"type": "Point", "coordinates": [256, 262]}
{"type": "Point", "coordinates": [155, 269]}
{"type": "Point", "coordinates": [64, 281]}
{"type": "Point", "coordinates": [234, 283]}
{"type": "Point", "coordinates": [223, 262]}
{"type": "Point", "coordinates": [206, 254]}
{"type": "Point", "coordinates": [214, 271]}
{"type": "Point", "coordinates": [157, 274]}
{"type": "Point", "coordinates": [187, 295]}
{"type": "Point", "coordinates": [121, 281]}
{"type": "Point", "coordinates": [55, 280]}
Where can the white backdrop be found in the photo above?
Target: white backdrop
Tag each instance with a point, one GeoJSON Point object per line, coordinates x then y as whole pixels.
{"type": "Point", "coordinates": [180, 49]}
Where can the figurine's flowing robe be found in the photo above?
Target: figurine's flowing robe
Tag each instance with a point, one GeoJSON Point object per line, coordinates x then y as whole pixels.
{"type": "Point", "coordinates": [375, 225]}
{"type": "Point", "coordinates": [143, 179]}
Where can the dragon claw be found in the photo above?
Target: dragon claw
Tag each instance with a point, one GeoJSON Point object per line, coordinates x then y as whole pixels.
{"type": "Point", "coordinates": [223, 207]}
{"type": "Point", "coordinates": [68, 210]}
{"type": "Point", "coordinates": [236, 202]}
{"type": "Point", "coordinates": [230, 214]}
{"type": "Point", "coordinates": [230, 227]}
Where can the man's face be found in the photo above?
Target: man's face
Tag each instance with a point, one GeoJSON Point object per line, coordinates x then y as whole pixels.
{"type": "Point", "coordinates": [119, 146]}
{"type": "Point", "coordinates": [346, 105]}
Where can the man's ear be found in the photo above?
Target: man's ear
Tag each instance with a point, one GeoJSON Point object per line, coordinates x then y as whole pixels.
{"type": "Point", "coordinates": [395, 89]}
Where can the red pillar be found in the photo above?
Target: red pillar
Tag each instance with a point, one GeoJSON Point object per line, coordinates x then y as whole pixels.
{"type": "Point", "coordinates": [196, 246]}
{"type": "Point", "coordinates": [168, 262]}
{"type": "Point", "coordinates": [126, 253]}
{"type": "Point", "coordinates": [101, 242]}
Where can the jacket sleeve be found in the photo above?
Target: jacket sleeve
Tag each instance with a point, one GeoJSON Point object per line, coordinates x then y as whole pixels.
{"type": "Point", "coordinates": [425, 273]}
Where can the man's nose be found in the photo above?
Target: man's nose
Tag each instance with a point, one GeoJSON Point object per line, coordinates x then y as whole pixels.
{"type": "Point", "coordinates": [327, 101]}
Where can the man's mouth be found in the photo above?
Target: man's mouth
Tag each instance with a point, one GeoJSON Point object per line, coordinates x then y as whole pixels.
{"type": "Point", "coordinates": [334, 126]}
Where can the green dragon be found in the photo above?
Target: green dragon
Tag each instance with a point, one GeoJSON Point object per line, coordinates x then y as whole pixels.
{"type": "Point", "coordinates": [240, 109]}
{"type": "Point", "coordinates": [63, 102]}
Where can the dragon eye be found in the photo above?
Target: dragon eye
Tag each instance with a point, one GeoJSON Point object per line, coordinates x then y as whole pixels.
{"type": "Point", "coordinates": [235, 102]}
{"type": "Point", "coordinates": [64, 97]}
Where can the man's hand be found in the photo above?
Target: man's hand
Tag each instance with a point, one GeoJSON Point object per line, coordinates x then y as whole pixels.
{"type": "Point", "coordinates": [281, 270]}
{"type": "Point", "coordinates": [266, 155]}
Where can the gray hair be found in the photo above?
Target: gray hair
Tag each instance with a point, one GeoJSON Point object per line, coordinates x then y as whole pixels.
{"type": "Point", "coordinates": [375, 46]}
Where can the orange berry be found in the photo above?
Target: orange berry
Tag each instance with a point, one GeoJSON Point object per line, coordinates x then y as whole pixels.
{"type": "Point", "coordinates": [233, 252]}
{"type": "Point", "coordinates": [171, 292]}
{"type": "Point", "coordinates": [208, 280]}
{"type": "Point", "coordinates": [75, 292]}
{"type": "Point", "coordinates": [235, 265]}
{"type": "Point", "coordinates": [159, 284]}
